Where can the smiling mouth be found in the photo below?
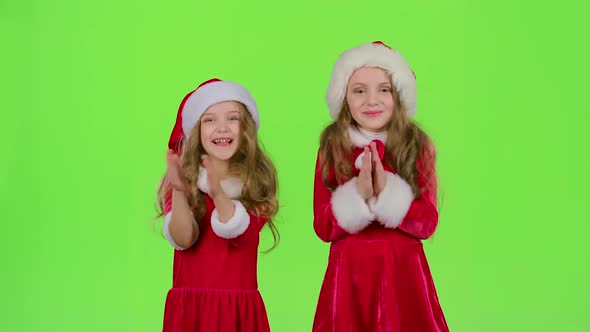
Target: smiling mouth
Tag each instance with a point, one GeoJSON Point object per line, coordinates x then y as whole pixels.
{"type": "Point", "coordinates": [222, 141]}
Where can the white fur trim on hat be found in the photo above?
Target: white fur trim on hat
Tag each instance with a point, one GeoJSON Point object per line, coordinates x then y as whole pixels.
{"type": "Point", "coordinates": [213, 93]}
{"type": "Point", "coordinates": [232, 187]}
{"type": "Point", "coordinates": [394, 201]}
{"type": "Point", "coordinates": [235, 226]}
{"type": "Point", "coordinates": [350, 209]}
{"type": "Point", "coordinates": [372, 55]}
{"type": "Point", "coordinates": [167, 234]}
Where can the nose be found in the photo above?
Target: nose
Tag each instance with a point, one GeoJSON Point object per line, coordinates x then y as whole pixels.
{"type": "Point", "coordinates": [222, 127]}
{"type": "Point", "coordinates": [372, 98]}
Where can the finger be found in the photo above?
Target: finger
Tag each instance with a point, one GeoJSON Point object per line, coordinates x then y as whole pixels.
{"type": "Point", "coordinates": [374, 156]}
{"type": "Point", "coordinates": [364, 181]}
{"type": "Point", "coordinates": [367, 160]}
{"type": "Point", "coordinates": [169, 155]}
{"type": "Point", "coordinates": [378, 163]}
{"type": "Point", "coordinates": [375, 152]}
{"type": "Point", "coordinates": [174, 166]}
{"type": "Point", "coordinates": [375, 184]}
{"type": "Point", "coordinates": [364, 173]}
{"type": "Point", "coordinates": [366, 156]}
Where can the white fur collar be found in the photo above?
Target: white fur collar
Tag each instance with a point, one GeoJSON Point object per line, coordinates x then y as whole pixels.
{"type": "Point", "coordinates": [361, 138]}
{"type": "Point", "coordinates": [231, 186]}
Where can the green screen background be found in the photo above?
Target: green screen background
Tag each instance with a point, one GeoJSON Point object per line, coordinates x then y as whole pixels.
{"type": "Point", "coordinates": [90, 91]}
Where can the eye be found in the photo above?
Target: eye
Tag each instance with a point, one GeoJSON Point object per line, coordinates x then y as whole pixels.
{"type": "Point", "coordinates": [388, 90]}
{"type": "Point", "coordinates": [208, 120]}
{"type": "Point", "coordinates": [359, 91]}
{"type": "Point", "coordinates": [234, 118]}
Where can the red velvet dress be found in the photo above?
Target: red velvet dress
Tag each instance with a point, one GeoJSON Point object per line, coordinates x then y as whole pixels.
{"type": "Point", "coordinates": [377, 277]}
{"type": "Point", "coordinates": [214, 285]}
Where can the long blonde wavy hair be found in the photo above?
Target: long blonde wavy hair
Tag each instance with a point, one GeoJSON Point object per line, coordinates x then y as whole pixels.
{"type": "Point", "coordinates": [406, 144]}
{"type": "Point", "coordinates": [250, 164]}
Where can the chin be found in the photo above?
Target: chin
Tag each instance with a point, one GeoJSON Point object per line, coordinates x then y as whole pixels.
{"type": "Point", "coordinates": [223, 155]}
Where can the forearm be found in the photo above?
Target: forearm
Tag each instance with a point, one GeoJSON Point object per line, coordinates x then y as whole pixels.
{"type": "Point", "coordinates": [224, 206]}
{"type": "Point", "coordinates": [183, 227]}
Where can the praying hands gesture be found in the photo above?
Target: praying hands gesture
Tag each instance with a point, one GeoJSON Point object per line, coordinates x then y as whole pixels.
{"type": "Point", "coordinates": [371, 179]}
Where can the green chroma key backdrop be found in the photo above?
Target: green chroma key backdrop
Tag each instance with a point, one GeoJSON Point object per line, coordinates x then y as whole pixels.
{"type": "Point", "coordinates": [90, 91]}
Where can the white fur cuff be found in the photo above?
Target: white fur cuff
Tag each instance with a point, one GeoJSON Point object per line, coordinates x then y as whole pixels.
{"type": "Point", "coordinates": [393, 202]}
{"type": "Point", "coordinates": [236, 225]}
{"type": "Point", "coordinates": [350, 209]}
{"type": "Point", "coordinates": [167, 234]}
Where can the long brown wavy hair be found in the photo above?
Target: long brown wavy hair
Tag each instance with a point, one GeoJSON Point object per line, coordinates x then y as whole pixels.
{"type": "Point", "coordinates": [408, 150]}
{"type": "Point", "coordinates": [250, 164]}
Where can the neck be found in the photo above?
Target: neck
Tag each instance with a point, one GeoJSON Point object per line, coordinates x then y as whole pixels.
{"type": "Point", "coordinates": [221, 166]}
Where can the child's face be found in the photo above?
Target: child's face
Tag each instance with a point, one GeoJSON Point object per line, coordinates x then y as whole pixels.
{"type": "Point", "coordinates": [220, 130]}
{"type": "Point", "coordinates": [369, 98]}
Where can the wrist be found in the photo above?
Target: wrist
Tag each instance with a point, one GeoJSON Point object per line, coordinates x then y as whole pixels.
{"type": "Point", "coordinates": [219, 196]}
{"type": "Point", "coordinates": [180, 193]}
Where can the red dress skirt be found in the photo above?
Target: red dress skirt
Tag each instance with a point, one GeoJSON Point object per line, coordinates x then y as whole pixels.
{"type": "Point", "coordinates": [215, 285]}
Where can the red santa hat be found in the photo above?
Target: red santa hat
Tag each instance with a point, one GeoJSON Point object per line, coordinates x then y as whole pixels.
{"type": "Point", "coordinates": [375, 54]}
{"type": "Point", "coordinates": [196, 102]}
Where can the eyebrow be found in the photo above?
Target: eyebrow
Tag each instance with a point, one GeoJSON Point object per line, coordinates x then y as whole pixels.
{"type": "Point", "coordinates": [227, 113]}
{"type": "Point", "coordinates": [363, 84]}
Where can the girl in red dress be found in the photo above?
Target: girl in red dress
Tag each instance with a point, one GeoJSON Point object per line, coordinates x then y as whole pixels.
{"type": "Point", "coordinates": [218, 192]}
{"type": "Point", "coordinates": [375, 200]}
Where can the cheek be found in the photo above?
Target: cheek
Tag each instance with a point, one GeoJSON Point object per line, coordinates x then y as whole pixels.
{"type": "Point", "coordinates": [389, 102]}
{"type": "Point", "coordinates": [205, 133]}
{"type": "Point", "coordinates": [235, 128]}
{"type": "Point", "coordinates": [354, 103]}
{"type": "Point", "coordinates": [353, 99]}
{"type": "Point", "coordinates": [356, 115]}
{"type": "Point", "coordinates": [389, 114]}
{"type": "Point", "coordinates": [202, 134]}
